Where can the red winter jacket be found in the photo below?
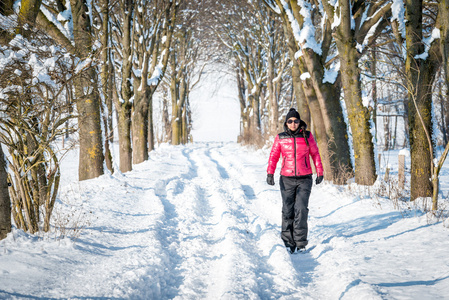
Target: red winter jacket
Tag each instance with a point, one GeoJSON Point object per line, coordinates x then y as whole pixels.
{"type": "Point", "coordinates": [295, 154]}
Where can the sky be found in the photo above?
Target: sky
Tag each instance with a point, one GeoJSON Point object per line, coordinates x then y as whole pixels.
{"type": "Point", "coordinates": [215, 108]}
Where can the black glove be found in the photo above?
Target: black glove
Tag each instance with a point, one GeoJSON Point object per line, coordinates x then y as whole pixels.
{"type": "Point", "coordinates": [319, 179]}
{"type": "Point", "coordinates": [270, 179]}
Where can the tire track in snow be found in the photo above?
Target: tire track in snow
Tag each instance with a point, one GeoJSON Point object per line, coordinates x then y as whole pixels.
{"type": "Point", "coordinates": [192, 233]}
{"type": "Point", "coordinates": [204, 235]}
{"type": "Point", "coordinates": [236, 276]}
{"type": "Point", "coordinates": [275, 263]}
{"type": "Point", "coordinates": [225, 250]}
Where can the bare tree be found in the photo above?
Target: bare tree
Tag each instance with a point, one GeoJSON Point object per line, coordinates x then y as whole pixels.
{"type": "Point", "coordinates": [87, 97]}
{"type": "Point", "coordinates": [251, 35]}
{"type": "Point", "coordinates": [122, 94]}
{"type": "Point", "coordinates": [34, 112]}
{"type": "Point", "coordinates": [185, 72]}
{"type": "Point", "coordinates": [420, 73]}
{"type": "Point", "coordinates": [106, 78]}
{"type": "Point", "coordinates": [155, 23]}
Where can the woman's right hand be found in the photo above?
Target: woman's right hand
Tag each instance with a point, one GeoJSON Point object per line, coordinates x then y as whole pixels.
{"type": "Point", "coordinates": [270, 179]}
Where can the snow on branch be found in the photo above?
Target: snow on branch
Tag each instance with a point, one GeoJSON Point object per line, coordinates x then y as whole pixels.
{"type": "Point", "coordinates": [398, 14]}
{"type": "Point", "coordinates": [305, 36]}
{"type": "Point", "coordinates": [63, 21]}
{"type": "Point", "coordinates": [366, 40]}
{"type": "Point", "coordinates": [428, 42]}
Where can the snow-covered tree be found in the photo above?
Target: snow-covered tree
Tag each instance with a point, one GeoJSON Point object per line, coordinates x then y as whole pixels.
{"type": "Point", "coordinates": [142, 35]}
{"type": "Point", "coordinates": [122, 28]}
{"type": "Point", "coordinates": [154, 27]}
{"type": "Point", "coordinates": [251, 35]}
{"type": "Point", "coordinates": [423, 58]}
{"type": "Point", "coordinates": [34, 87]}
{"type": "Point", "coordinates": [185, 71]}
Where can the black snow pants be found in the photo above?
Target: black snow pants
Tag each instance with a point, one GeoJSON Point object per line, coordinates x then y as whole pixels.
{"type": "Point", "coordinates": [295, 193]}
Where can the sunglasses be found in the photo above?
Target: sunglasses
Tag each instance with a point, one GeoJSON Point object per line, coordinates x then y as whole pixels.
{"type": "Point", "coordinates": [291, 121]}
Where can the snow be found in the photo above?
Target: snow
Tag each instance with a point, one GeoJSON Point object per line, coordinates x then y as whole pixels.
{"type": "Point", "coordinates": [305, 76]}
{"type": "Point", "coordinates": [83, 64]}
{"type": "Point", "coordinates": [370, 33]}
{"type": "Point", "coordinates": [304, 34]}
{"type": "Point", "coordinates": [331, 74]}
{"type": "Point", "coordinates": [435, 35]}
{"type": "Point", "coordinates": [398, 14]}
{"type": "Point", "coordinates": [63, 21]}
{"type": "Point", "coordinates": [405, 152]}
{"type": "Point", "coordinates": [200, 222]}
{"type": "Point", "coordinates": [156, 76]}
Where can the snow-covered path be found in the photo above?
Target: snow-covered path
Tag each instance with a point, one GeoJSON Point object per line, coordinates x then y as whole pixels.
{"type": "Point", "coordinates": [199, 222]}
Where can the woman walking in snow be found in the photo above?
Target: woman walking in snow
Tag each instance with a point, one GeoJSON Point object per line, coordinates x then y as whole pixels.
{"type": "Point", "coordinates": [296, 145]}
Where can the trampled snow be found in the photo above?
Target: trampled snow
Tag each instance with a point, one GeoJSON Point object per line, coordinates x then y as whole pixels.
{"type": "Point", "coordinates": [200, 222]}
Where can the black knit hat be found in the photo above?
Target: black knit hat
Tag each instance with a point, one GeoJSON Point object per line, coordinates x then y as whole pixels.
{"type": "Point", "coordinates": [292, 113]}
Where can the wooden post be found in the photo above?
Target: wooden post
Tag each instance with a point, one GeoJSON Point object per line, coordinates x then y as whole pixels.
{"type": "Point", "coordinates": [379, 162]}
{"type": "Point", "coordinates": [401, 171]}
{"type": "Point", "coordinates": [387, 173]}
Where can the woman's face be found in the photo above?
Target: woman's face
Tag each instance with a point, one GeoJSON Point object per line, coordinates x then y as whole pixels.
{"type": "Point", "coordinates": [293, 124]}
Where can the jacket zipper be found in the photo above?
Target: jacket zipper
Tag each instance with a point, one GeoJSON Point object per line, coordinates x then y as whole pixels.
{"type": "Point", "coordinates": [294, 147]}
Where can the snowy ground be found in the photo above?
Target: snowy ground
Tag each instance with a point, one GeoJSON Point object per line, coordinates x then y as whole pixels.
{"type": "Point", "coordinates": [199, 222]}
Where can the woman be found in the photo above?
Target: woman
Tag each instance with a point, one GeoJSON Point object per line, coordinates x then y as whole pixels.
{"type": "Point", "coordinates": [296, 145]}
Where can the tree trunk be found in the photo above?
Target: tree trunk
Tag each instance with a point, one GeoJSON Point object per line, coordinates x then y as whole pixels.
{"type": "Point", "coordinates": [178, 111]}
{"type": "Point", "coordinates": [171, 11]}
{"type": "Point", "coordinates": [184, 126]}
{"type": "Point", "coordinates": [139, 116]}
{"type": "Point", "coordinates": [123, 103]}
{"type": "Point", "coordinates": [140, 128]}
{"type": "Point", "coordinates": [244, 110]}
{"type": "Point", "coordinates": [308, 105]}
{"type": "Point", "coordinates": [27, 15]}
{"type": "Point", "coordinates": [373, 70]}
{"type": "Point", "coordinates": [420, 76]}
{"type": "Point", "coordinates": [176, 108]}
{"type": "Point", "coordinates": [358, 114]}
{"type": "Point", "coordinates": [359, 118]}
{"type": "Point", "coordinates": [334, 125]}
{"type": "Point", "coordinates": [165, 118]}
{"type": "Point", "coordinates": [320, 129]}
{"type": "Point", "coordinates": [387, 135]}
{"type": "Point", "coordinates": [443, 14]}
{"type": "Point", "coordinates": [151, 137]}
{"type": "Point", "coordinates": [87, 99]}
{"type": "Point", "coordinates": [273, 111]}
{"type": "Point", "coordinates": [420, 183]}
{"type": "Point", "coordinates": [443, 17]}
{"type": "Point", "coordinates": [106, 85]}
{"type": "Point", "coordinates": [124, 137]}
{"type": "Point", "coordinates": [5, 201]}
